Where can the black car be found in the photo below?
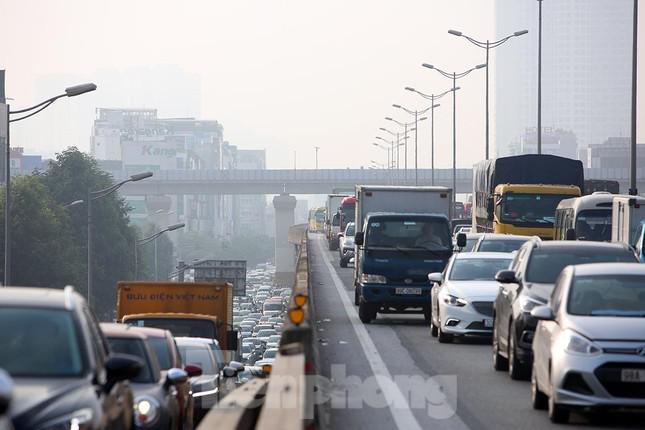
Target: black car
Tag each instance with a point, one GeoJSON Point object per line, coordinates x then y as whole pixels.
{"type": "Point", "coordinates": [64, 376]}
{"type": "Point", "coordinates": [528, 283]}
{"type": "Point", "coordinates": [156, 402]}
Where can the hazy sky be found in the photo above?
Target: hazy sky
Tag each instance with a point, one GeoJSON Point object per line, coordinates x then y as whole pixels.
{"type": "Point", "coordinates": [281, 75]}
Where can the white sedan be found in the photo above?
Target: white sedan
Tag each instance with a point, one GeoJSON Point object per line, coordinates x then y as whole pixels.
{"type": "Point", "coordinates": [462, 296]}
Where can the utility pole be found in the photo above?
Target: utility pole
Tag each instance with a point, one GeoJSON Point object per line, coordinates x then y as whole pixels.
{"type": "Point", "coordinates": [633, 190]}
{"type": "Point", "coordinates": [4, 141]}
{"type": "Point", "coordinates": [316, 148]}
{"type": "Point", "coordinates": [539, 95]}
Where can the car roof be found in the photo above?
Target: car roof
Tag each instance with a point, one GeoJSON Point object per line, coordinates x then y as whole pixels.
{"type": "Point", "coordinates": [39, 297]}
{"type": "Point", "coordinates": [473, 235]}
{"type": "Point", "coordinates": [497, 236]}
{"type": "Point", "coordinates": [578, 244]}
{"type": "Point", "coordinates": [398, 215]}
{"type": "Point", "coordinates": [598, 269]}
{"type": "Point", "coordinates": [196, 340]}
{"type": "Point", "coordinates": [482, 255]}
{"type": "Point", "coordinates": [154, 332]}
{"type": "Point", "coordinates": [122, 330]}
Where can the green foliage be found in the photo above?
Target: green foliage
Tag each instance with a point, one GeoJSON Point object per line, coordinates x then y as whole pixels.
{"type": "Point", "coordinates": [43, 252]}
{"type": "Point", "coordinates": [252, 248]}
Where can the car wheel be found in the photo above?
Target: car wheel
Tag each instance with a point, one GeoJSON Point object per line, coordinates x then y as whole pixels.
{"type": "Point", "coordinates": [443, 337]}
{"type": "Point", "coordinates": [499, 363]}
{"type": "Point", "coordinates": [539, 400]}
{"type": "Point", "coordinates": [366, 312]}
{"type": "Point", "coordinates": [343, 262]}
{"type": "Point", "coordinates": [433, 329]}
{"type": "Point", "coordinates": [516, 369]}
{"type": "Point", "coordinates": [427, 314]}
{"type": "Point", "coordinates": [357, 297]}
{"type": "Point", "coordinates": [558, 414]}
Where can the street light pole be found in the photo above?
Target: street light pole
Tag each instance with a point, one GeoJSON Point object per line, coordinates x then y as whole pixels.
{"type": "Point", "coordinates": [316, 148]}
{"type": "Point", "coordinates": [153, 238]}
{"type": "Point", "coordinates": [416, 160]}
{"type": "Point", "coordinates": [73, 91]}
{"type": "Point", "coordinates": [633, 190]}
{"type": "Point", "coordinates": [488, 45]}
{"type": "Point", "coordinates": [539, 95]}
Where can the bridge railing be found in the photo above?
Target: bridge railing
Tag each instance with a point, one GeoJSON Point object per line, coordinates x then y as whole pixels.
{"type": "Point", "coordinates": [284, 400]}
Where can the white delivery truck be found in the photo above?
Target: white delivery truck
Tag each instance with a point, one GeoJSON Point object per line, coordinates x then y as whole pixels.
{"type": "Point", "coordinates": [402, 234]}
{"type": "Point", "coordinates": [628, 222]}
{"type": "Point", "coordinates": [332, 219]}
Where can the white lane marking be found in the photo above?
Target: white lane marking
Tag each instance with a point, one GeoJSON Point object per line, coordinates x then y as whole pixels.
{"type": "Point", "coordinates": [403, 417]}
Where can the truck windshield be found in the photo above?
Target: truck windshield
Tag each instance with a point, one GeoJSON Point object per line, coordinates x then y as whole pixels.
{"type": "Point", "coordinates": [530, 209]}
{"type": "Point", "coordinates": [179, 327]}
{"type": "Point", "coordinates": [348, 213]}
{"type": "Point", "coordinates": [594, 224]}
{"type": "Point", "coordinates": [421, 233]}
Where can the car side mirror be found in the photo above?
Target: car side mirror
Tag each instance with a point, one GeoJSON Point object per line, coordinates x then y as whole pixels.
{"type": "Point", "coordinates": [120, 367]}
{"type": "Point", "coordinates": [359, 238]}
{"type": "Point", "coordinates": [192, 370]}
{"type": "Point", "coordinates": [176, 376]}
{"type": "Point", "coordinates": [435, 277]}
{"type": "Point", "coordinates": [570, 234]}
{"type": "Point", "coordinates": [462, 240]}
{"type": "Point", "coordinates": [6, 389]}
{"type": "Point", "coordinates": [341, 235]}
{"type": "Point", "coordinates": [506, 276]}
{"type": "Point", "coordinates": [231, 340]}
{"type": "Point", "coordinates": [543, 313]}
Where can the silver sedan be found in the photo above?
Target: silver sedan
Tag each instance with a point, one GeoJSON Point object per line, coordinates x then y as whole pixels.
{"type": "Point", "coordinates": [589, 345]}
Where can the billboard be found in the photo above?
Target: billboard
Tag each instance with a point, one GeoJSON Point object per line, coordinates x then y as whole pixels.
{"type": "Point", "coordinates": [233, 271]}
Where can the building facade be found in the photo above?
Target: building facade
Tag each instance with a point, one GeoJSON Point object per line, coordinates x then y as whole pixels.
{"type": "Point", "coordinates": [586, 69]}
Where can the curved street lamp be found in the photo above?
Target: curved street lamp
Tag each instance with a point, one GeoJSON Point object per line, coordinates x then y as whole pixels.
{"type": "Point", "coordinates": [74, 91]}
{"type": "Point", "coordinates": [153, 238]}
{"type": "Point", "coordinates": [488, 45]}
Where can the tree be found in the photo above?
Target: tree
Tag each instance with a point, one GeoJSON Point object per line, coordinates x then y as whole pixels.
{"type": "Point", "coordinates": [43, 249]}
{"type": "Point", "coordinates": [71, 177]}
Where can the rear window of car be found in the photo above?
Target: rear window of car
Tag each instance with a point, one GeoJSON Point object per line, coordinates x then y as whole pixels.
{"type": "Point", "coordinates": [500, 245]}
{"type": "Point", "coordinates": [198, 355]}
{"type": "Point", "coordinates": [546, 264]}
{"type": "Point", "coordinates": [136, 347]}
{"type": "Point", "coordinates": [160, 346]}
{"type": "Point", "coordinates": [608, 296]}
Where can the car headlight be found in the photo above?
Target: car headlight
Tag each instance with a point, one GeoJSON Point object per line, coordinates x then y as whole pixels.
{"type": "Point", "coordinates": [146, 411]}
{"type": "Point", "coordinates": [78, 420]}
{"type": "Point", "coordinates": [575, 343]}
{"type": "Point", "coordinates": [527, 303]}
{"type": "Point", "coordinates": [454, 301]}
{"type": "Point", "coordinates": [368, 278]}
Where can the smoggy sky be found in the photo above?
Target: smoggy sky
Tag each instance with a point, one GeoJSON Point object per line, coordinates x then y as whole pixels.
{"type": "Point", "coordinates": [281, 75]}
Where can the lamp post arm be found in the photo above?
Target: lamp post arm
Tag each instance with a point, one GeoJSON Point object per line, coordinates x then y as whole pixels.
{"type": "Point", "coordinates": [46, 102]}
{"type": "Point", "coordinates": [32, 113]}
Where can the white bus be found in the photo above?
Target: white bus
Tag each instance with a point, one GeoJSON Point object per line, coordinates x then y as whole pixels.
{"type": "Point", "coordinates": [585, 218]}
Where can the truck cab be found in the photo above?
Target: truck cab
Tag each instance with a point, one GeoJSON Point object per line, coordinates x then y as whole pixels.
{"type": "Point", "coordinates": [397, 251]}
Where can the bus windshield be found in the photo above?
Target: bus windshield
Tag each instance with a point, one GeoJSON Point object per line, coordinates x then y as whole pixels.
{"type": "Point", "coordinates": [594, 224]}
{"type": "Point", "coordinates": [530, 209]}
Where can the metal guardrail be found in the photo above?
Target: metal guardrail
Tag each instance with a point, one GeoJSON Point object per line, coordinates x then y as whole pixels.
{"type": "Point", "coordinates": [285, 400]}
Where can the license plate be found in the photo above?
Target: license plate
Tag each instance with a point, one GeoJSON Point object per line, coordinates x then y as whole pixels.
{"type": "Point", "coordinates": [415, 291]}
{"type": "Point", "coordinates": [488, 323]}
{"type": "Point", "coordinates": [632, 375]}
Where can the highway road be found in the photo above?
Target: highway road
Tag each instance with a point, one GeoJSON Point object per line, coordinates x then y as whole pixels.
{"type": "Point", "coordinates": [437, 386]}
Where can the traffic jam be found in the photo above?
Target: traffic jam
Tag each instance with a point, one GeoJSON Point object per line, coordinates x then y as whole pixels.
{"type": "Point", "coordinates": [544, 263]}
{"type": "Point", "coordinates": [172, 353]}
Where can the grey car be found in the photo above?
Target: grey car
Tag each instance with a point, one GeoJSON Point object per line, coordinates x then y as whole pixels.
{"type": "Point", "coordinates": [494, 242]}
{"type": "Point", "coordinates": [589, 345]}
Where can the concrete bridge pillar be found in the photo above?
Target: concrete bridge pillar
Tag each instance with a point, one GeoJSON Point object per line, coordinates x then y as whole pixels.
{"type": "Point", "coordinates": [285, 257]}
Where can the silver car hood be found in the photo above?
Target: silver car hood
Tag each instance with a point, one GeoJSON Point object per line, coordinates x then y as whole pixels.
{"type": "Point", "coordinates": [608, 328]}
{"type": "Point", "coordinates": [481, 290]}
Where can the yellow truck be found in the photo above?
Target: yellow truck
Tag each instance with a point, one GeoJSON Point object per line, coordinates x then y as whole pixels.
{"type": "Point", "coordinates": [185, 308]}
{"type": "Point", "coordinates": [519, 194]}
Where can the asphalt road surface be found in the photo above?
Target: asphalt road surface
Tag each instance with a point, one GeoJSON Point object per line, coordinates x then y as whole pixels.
{"type": "Point", "coordinates": [393, 374]}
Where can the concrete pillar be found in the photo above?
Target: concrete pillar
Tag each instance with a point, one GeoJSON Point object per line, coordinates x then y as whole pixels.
{"type": "Point", "coordinates": [285, 256]}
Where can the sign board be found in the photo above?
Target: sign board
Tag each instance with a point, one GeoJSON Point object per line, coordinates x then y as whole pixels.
{"type": "Point", "coordinates": [233, 271]}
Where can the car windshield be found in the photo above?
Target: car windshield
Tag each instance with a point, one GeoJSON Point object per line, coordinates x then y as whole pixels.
{"type": "Point", "coordinates": [350, 229]}
{"type": "Point", "coordinates": [411, 233]}
{"type": "Point", "coordinates": [266, 332]}
{"type": "Point", "coordinates": [270, 353]}
{"type": "Point", "coordinates": [594, 224]}
{"type": "Point", "coordinates": [470, 244]}
{"type": "Point", "coordinates": [246, 348]}
{"type": "Point", "coordinates": [161, 349]}
{"type": "Point", "coordinates": [198, 355]}
{"type": "Point", "coordinates": [530, 209]}
{"type": "Point", "coordinates": [179, 327]}
{"type": "Point", "coordinates": [39, 343]}
{"type": "Point", "coordinates": [500, 245]}
{"type": "Point", "coordinates": [133, 346]}
{"type": "Point", "coordinates": [545, 265]}
{"type": "Point", "coordinates": [467, 269]}
{"type": "Point", "coordinates": [272, 306]}
{"type": "Point", "coordinates": [615, 295]}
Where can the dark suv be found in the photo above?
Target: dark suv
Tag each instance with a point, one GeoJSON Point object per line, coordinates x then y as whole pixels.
{"type": "Point", "coordinates": [528, 283]}
{"type": "Point", "coordinates": [63, 374]}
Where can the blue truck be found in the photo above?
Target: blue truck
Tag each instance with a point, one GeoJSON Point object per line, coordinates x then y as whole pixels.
{"type": "Point", "coordinates": [402, 234]}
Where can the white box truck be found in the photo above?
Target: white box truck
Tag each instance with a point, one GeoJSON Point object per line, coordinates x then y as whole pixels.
{"type": "Point", "coordinates": [628, 222]}
{"type": "Point", "coordinates": [402, 234]}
